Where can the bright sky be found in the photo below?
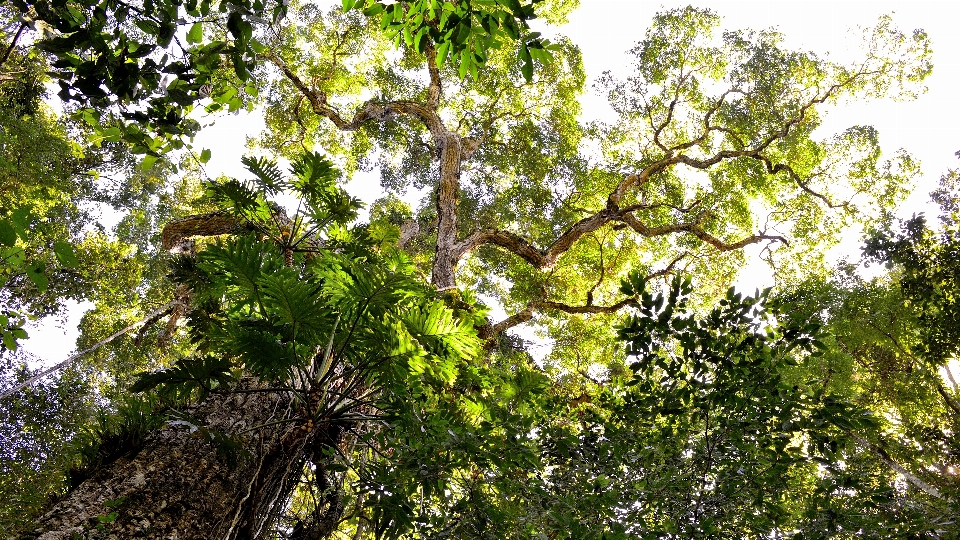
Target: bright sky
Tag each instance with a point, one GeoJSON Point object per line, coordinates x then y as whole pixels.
{"type": "Point", "coordinates": [929, 128]}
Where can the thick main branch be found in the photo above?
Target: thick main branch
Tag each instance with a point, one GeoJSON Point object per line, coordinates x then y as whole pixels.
{"type": "Point", "coordinates": [542, 259]}
{"type": "Point", "coordinates": [451, 147]}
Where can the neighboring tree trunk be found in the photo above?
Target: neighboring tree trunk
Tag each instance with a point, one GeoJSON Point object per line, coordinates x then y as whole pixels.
{"type": "Point", "coordinates": [179, 486]}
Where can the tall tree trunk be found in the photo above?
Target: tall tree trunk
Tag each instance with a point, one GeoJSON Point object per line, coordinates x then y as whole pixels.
{"type": "Point", "coordinates": [445, 260]}
{"type": "Point", "coordinates": [180, 485]}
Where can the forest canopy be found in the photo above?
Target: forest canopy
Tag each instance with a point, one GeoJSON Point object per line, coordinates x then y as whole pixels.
{"type": "Point", "coordinates": [260, 362]}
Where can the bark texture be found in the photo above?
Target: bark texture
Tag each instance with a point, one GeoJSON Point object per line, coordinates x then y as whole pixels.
{"type": "Point", "coordinates": [180, 485]}
{"type": "Point", "coordinates": [213, 224]}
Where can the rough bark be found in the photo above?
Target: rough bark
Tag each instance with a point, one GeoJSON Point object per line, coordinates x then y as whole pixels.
{"type": "Point", "coordinates": [179, 231]}
{"type": "Point", "coordinates": [451, 146]}
{"type": "Point", "coordinates": [180, 485]}
{"type": "Point", "coordinates": [445, 260]}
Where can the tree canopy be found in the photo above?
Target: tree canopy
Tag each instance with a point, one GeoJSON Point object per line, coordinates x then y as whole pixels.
{"type": "Point", "coordinates": [299, 373]}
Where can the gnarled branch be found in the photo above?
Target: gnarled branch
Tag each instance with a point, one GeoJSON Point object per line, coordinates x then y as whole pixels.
{"type": "Point", "coordinates": [671, 158]}
{"type": "Point", "coordinates": [369, 111]}
{"type": "Point", "coordinates": [435, 89]}
{"type": "Point", "coordinates": [525, 250]}
{"type": "Point", "coordinates": [782, 167]}
{"type": "Point", "coordinates": [543, 259]}
{"type": "Point", "coordinates": [696, 229]}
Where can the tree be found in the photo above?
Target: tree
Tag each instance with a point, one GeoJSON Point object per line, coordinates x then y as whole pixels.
{"type": "Point", "coordinates": [892, 340]}
{"type": "Point", "coordinates": [103, 54]}
{"type": "Point", "coordinates": [54, 177]}
{"type": "Point", "coordinates": [341, 392]}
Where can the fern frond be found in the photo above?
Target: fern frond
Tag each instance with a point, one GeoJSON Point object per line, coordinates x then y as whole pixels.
{"type": "Point", "coordinates": [187, 376]}
{"type": "Point", "coordinates": [233, 194]}
{"type": "Point", "coordinates": [436, 328]}
{"type": "Point", "coordinates": [294, 302]}
{"type": "Point", "coordinates": [314, 173]}
{"type": "Point", "coordinates": [261, 346]}
{"type": "Point", "coordinates": [268, 176]}
{"type": "Point", "coordinates": [239, 263]}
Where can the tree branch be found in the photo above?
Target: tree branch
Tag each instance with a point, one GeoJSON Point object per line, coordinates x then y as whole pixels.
{"type": "Point", "coordinates": [587, 309]}
{"type": "Point", "coordinates": [13, 44]}
{"type": "Point", "coordinates": [452, 149]}
{"type": "Point", "coordinates": [30, 382]}
{"type": "Point", "coordinates": [511, 321]}
{"type": "Point", "coordinates": [935, 376]}
{"type": "Point", "coordinates": [511, 242]}
{"type": "Point", "coordinates": [782, 167]}
{"type": "Point", "coordinates": [886, 459]}
{"type": "Point", "coordinates": [525, 250]}
{"type": "Point", "coordinates": [543, 259]}
{"type": "Point", "coordinates": [670, 109]}
{"type": "Point", "coordinates": [435, 89]}
{"type": "Point", "coordinates": [492, 331]}
{"type": "Point", "coordinates": [671, 159]}
{"type": "Point", "coordinates": [696, 229]}
{"type": "Point", "coordinates": [211, 224]}
{"type": "Point", "coordinates": [369, 111]}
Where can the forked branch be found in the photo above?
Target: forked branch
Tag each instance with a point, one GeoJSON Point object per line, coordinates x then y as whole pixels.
{"type": "Point", "coordinates": [369, 111]}
{"type": "Point", "coordinates": [492, 331]}
{"type": "Point", "coordinates": [671, 158]}
{"type": "Point", "coordinates": [544, 259]}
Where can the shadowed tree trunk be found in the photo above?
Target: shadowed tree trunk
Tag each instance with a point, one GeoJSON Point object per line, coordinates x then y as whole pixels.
{"type": "Point", "coordinates": [184, 483]}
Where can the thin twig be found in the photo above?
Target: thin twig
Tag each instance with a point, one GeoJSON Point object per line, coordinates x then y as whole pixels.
{"type": "Point", "coordinates": [29, 382]}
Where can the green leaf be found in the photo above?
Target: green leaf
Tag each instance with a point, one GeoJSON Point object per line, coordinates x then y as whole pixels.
{"type": "Point", "coordinates": [186, 376]}
{"type": "Point", "coordinates": [440, 333]}
{"type": "Point", "coordinates": [195, 34]}
{"type": "Point", "coordinates": [269, 178]}
{"type": "Point", "coordinates": [9, 342]}
{"type": "Point", "coordinates": [205, 155]}
{"type": "Point", "coordinates": [36, 275]}
{"type": "Point", "coordinates": [8, 236]}
{"type": "Point", "coordinates": [527, 66]}
{"type": "Point", "coordinates": [148, 162]}
{"type": "Point", "coordinates": [112, 134]}
{"type": "Point", "coordinates": [442, 50]}
{"type": "Point", "coordinates": [109, 518]}
{"type": "Point", "coordinates": [65, 254]}
{"type": "Point", "coordinates": [292, 300]}
{"type": "Point", "coordinates": [373, 10]}
{"type": "Point", "coordinates": [228, 94]}
{"type": "Point", "coordinates": [22, 218]}
{"type": "Point", "coordinates": [13, 256]}
{"type": "Point", "coordinates": [264, 348]}
{"type": "Point", "coordinates": [148, 26]}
